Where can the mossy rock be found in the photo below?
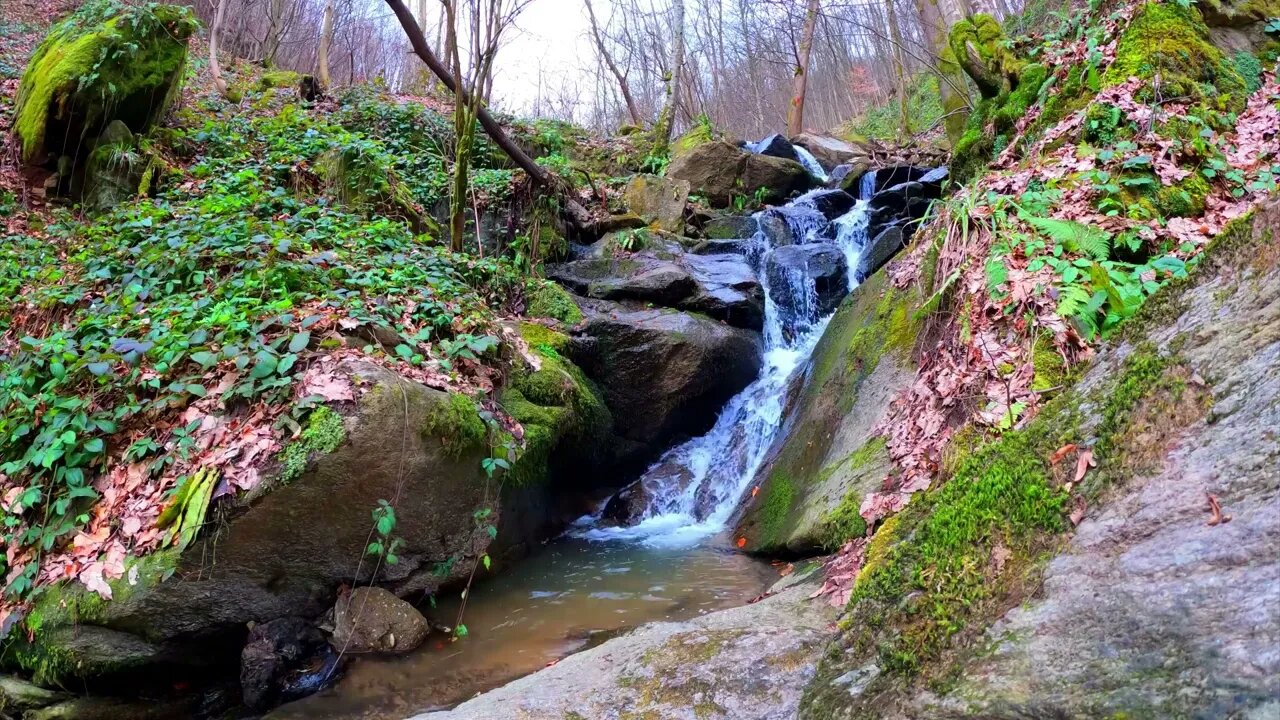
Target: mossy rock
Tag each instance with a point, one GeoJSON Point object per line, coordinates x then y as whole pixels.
{"type": "Point", "coordinates": [546, 299]}
{"type": "Point", "coordinates": [811, 493]}
{"type": "Point", "coordinates": [977, 45]}
{"type": "Point", "coordinates": [105, 62]}
{"type": "Point", "coordinates": [1172, 42]}
{"type": "Point", "coordinates": [279, 79]}
{"type": "Point", "coordinates": [562, 411]}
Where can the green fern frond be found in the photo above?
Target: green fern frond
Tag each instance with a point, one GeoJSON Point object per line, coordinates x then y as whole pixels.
{"type": "Point", "coordinates": [1076, 237]}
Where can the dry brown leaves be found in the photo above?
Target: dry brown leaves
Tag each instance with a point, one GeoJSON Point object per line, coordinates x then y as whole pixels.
{"type": "Point", "coordinates": [841, 572]}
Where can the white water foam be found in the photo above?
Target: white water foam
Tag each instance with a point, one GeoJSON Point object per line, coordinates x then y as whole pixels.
{"type": "Point", "coordinates": [697, 484]}
{"type": "Point", "coordinates": [810, 163]}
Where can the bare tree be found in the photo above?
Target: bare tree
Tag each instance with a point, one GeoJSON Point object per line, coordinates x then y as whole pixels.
{"type": "Point", "coordinates": [666, 119]}
{"type": "Point", "coordinates": [623, 86]}
{"type": "Point", "coordinates": [800, 85]}
{"type": "Point", "coordinates": [904, 124]}
{"type": "Point", "coordinates": [219, 13]}
{"type": "Point", "coordinates": [326, 41]}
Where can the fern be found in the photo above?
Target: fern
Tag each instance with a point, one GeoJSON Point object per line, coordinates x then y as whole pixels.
{"type": "Point", "coordinates": [935, 300]}
{"type": "Point", "coordinates": [997, 274]}
{"type": "Point", "coordinates": [1072, 299]}
{"type": "Point", "coordinates": [1076, 237]}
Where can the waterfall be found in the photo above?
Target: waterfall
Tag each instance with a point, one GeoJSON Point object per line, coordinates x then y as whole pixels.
{"type": "Point", "coordinates": [867, 185]}
{"type": "Point", "coordinates": [699, 483]}
{"type": "Point", "coordinates": [810, 163]}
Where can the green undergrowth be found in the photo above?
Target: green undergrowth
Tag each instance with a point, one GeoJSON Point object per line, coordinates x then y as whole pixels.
{"type": "Point", "coordinates": [238, 271]}
{"type": "Point", "coordinates": [882, 122]}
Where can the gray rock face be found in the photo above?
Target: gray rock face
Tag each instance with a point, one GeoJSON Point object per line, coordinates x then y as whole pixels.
{"type": "Point", "coordinates": [285, 554]}
{"type": "Point", "coordinates": [746, 663]}
{"type": "Point", "coordinates": [627, 506]}
{"type": "Point", "coordinates": [370, 619]}
{"type": "Point", "coordinates": [821, 263]}
{"type": "Point", "coordinates": [1150, 609]}
{"type": "Point", "coordinates": [776, 146]}
{"type": "Point", "coordinates": [276, 659]}
{"type": "Point", "coordinates": [833, 203]}
{"type": "Point", "coordinates": [879, 250]}
{"type": "Point", "coordinates": [722, 285]}
{"type": "Point", "coordinates": [111, 176]}
{"type": "Point", "coordinates": [663, 373]}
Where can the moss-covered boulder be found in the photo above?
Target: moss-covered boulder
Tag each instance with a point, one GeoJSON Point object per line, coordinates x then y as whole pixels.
{"type": "Point", "coordinates": [660, 201]}
{"type": "Point", "coordinates": [105, 62]}
{"type": "Point", "coordinates": [977, 45]}
{"type": "Point", "coordinates": [811, 491]}
{"type": "Point", "coordinates": [286, 548]}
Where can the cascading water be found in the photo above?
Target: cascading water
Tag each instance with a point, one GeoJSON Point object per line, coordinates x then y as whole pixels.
{"type": "Point", "coordinates": [695, 486]}
{"type": "Point", "coordinates": [867, 185]}
{"type": "Point", "coordinates": [810, 163]}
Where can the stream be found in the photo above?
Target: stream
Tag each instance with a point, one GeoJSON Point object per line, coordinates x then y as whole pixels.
{"type": "Point", "coordinates": [599, 579]}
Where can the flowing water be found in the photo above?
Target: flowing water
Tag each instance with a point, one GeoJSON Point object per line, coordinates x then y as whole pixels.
{"type": "Point", "coordinates": [598, 580]}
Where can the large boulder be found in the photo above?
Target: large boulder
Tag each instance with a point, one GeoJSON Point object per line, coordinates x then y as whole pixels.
{"type": "Point", "coordinates": [659, 201]}
{"type": "Point", "coordinates": [830, 152]}
{"type": "Point", "coordinates": [283, 549]}
{"type": "Point", "coordinates": [775, 146]}
{"type": "Point", "coordinates": [664, 374]}
{"type": "Point", "coordinates": [664, 274]}
{"type": "Point", "coordinates": [719, 171]}
{"type": "Point", "coordinates": [879, 251]}
{"type": "Point", "coordinates": [113, 171]}
{"type": "Point", "coordinates": [729, 227]}
{"type": "Point", "coordinates": [91, 70]}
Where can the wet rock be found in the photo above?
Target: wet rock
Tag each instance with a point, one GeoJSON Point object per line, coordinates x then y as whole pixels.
{"type": "Point", "coordinates": [18, 696]}
{"type": "Point", "coordinates": [833, 203]}
{"type": "Point", "coordinates": [775, 146]}
{"type": "Point", "coordinates": [280, 661]}
{"type": "Point", "coordinates": [896, 198]}
{"type": "Point", "coordinates": [776, 229]}
{"type": "Point", "coordinates": [658, 201]}
{"type": "Point", "coordinates": [728, 290]}
{"type": "Point", "coordinates": [887, 177]}
{"type": "Point", "coordinates": [746, 663]}
{"type": "Point", "coordinates": [723, 247]}
{"type": "Point", "coordinates": [663, 373]}
{"type": "Point", "coordinates": [109, 708]}
{"type": "Point", "coordinates": [720, 171]}
{"type": "Point", "coordinates": [628, 505]}
{"type": "Point", "coordinates": [830, 152]}
{"type": "Point", "coordinates": [820, 264]}
{"type": "Point", "coordinates": [370, 619]}
{"type": "Point", "coordinates": [642, 276]}
{"type": "Point", "coordinates": [614, 223]}
{"type": "Point", "coordinates": [849, 178]}
{"type": "Point", "coordinates": [729, 227]}
{"type": "Point", "coordinates": [879, 251]}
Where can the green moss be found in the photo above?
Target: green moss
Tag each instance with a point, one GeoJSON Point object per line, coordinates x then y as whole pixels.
{"type": "Point", "coordinates": [1050, 370]}
{"type": "Point", "coordinates": [995, 64]}
{"type": "Point", "coordinates": [1172, 42]}
{"type": "Point", "coordinates": [456, 423]}
{"type": "Point", "coordinates": [972, 152]}
{"type": "Point", "coordinates": [778, 498]}
{"type": "Point", "coordinates": [556, 404]}
{"type": "Point", "coordinates": [699, 134]}
{"type": "Point", "coordinates": [325, 431]}
{"type": "Point", "coordinates": [1186, 199]}
{"type": "Point", "coordinates": [844, 522]}
{"type": "Point", "coordinates": [548, 300]}
{"type": "Point", "coordinates": [1017, 103]}
{"type": "Point", "coordinates": [102, 62]}
{"type": "Point", "coordinates": [279, 79]}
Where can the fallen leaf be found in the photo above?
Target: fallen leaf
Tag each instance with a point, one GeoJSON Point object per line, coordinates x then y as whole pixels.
{"type": "Point", "coordinates": [999, 556]}
{"type": "Point", "coordinates": [1077, 514]}
{"type": "Point", "coordinates": [787, 570]}
{"type": "Point", "coordinates": [1215, 510]}
{"type": "Point", "coordinates": [755, 491]}
{"type": "Point", "coordinates": [1084, 461]}
{"type": "Point", "coordinates": [742, 542]}
{"type": "Point", "coordinates": [1062, 452]}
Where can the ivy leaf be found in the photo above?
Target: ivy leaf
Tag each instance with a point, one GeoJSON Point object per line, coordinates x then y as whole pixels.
{"type": "Point", "coordinates": [264, 365]}
{"type": "Point", "coordinates": [299, 342]}
{"type": "Point", "coordinates": [197, 390]}
{"type": "Point", "coordinates": [285, 363]}
{"type": "Point", "coordinates": [99, 368]}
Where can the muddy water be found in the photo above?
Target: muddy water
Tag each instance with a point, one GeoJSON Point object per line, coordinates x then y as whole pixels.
{"type": "Point", "coordinates": [572, 594]}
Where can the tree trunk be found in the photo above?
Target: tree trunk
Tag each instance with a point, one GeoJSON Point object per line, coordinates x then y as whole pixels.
{"type": "Point", "coordinates": [800, 83]}
{"type": "Point", "coordinates": [667, 118]}
{"type": "Point", "coordinates": [577, 216]}
{"type": "Point", "coordinates": [215, 69]}
{"type": "Point", "coordinates": [895, 33]}
{"type": "Point", "coordinates": [271, 45]}
{"type": "Point", "coordinates": [326, 41]}
{"type": "Point", "coordinates": [618, 75]}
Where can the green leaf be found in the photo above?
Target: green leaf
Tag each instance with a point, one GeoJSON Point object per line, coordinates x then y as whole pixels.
{"type": "Point", "coordinates": [99, 368]}
{"type": "Point", "coordinates": [204, 358]}
{"type": "Point", "coordinates": [93, 445]}
{"type": "Point", "coordinates": [264, 365]}
{"type": "Point", "coordinates": [196, 389]}
{"type": "Point", "coordinates": [404, 351]}
{"type": "Point", "coordinates": [286, 362]}
{"type": "Point", "coordinates": [460, 631]}
{"type": "Point", "coordinates": [997, 274]}
{"type": "Point", "coordinates": [299, 342]}
{"type": "Point", "coordinates": [486, 561]}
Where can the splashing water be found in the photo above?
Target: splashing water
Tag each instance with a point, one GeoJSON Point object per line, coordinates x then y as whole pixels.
{"type": "Point", "coordinates": [697, 485]}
